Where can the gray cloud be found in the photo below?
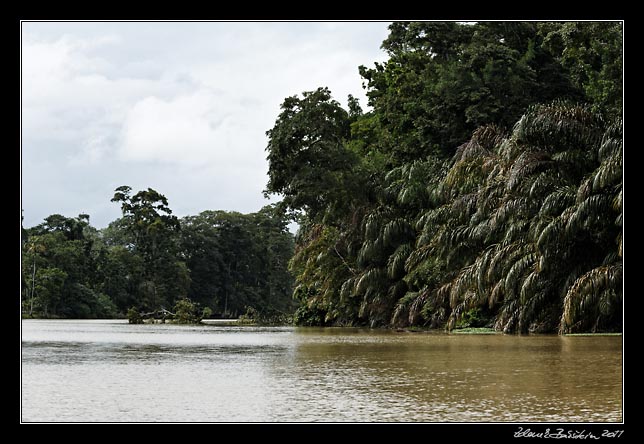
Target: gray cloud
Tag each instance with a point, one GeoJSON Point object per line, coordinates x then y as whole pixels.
{"type": "Point", "coordinates": [179, 107]}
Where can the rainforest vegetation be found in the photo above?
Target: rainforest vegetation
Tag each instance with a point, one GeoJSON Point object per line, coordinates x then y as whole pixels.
{"type": "Point", "coordinates": [482, 188]}
{"type": "Point", "coordinates": [148, 260]}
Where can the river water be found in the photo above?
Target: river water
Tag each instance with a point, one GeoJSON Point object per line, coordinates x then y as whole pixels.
{"type": "Point", "coordinates": [110, 371]}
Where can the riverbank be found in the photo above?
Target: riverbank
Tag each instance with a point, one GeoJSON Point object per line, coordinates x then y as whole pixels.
{"type": "Point", "coordinates": [241, 322]}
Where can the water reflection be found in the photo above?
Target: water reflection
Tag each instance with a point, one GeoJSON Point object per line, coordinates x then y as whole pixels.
{"type": "Point", "coordinates": [100, 371]}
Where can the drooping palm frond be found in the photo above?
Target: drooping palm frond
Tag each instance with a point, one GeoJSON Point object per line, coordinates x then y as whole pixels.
{"type": "Point", "coordinates": [504, 257]}
{"type": "Point", "coordinates": [396, 230]}
{"type": "Point", "coordinates": [417, 257]}
{"type": "Point", "coordinates": [400, 316]}
{"type": "Point", "coordinates": [527, 164]}
{"type": "Point", "coordinates": [582, 302]}
{"type": "Point", "coordinates": [464, 177]}
{"type": "Point", "coordinates": [410, 195]}
{"type": "Point", "coordinates": [463, 206]}
{"type": "Point", "coordinates": [459, 310]}
{"type": "Point", "coordinates": [559, 124]}
{"type": "Point", "coordinates": [515, 231]}
{"type": "Point", "coordinates": [543, 183]}
{"type": "Point", "coordinates": [430, 219]}
{"type": "Point", "coordinates": [557, 201]}
{"type": "Point", "coordinates": [508, 316]}
{"type": "Point", "coordinates": [496, 294]}
{"type": "Point", "coordinates": [489, 197]}
{"type": "Point", "coordinates": [612, 141]}
{"type": "Point", "coordinates": [422, 297]}
{"type": "Point", "coordinates": [529, 286]}
{"type": "Point", "coordinates": [482, 267]}
{"type": "Point", "coordinates": [370, 251]}
{"type": "Point", "coordinates": [574, 159]}
{"type": "Point", "coordinates": [512, 208]}
{"type": "Point", "coordinates": [469, 151]}
{"type": "Point", "coordinates": [534, 300]}
{"type": "Point", "coordinates": [489, 137]}
{"type": "Point", "coordinates": [372, 281]}
{"type": "Point", "coordinates": [551, 235]}
{"type": "Point", "coordinates": [372, 224]}
{"type": "Point", "coordinates": [462, 285]}
{"type": "Point", "coordinates": [588, 212]}
{"type": "Point", "coordinates": [617, 202]}
{"type": "Point", "coordinates": [347, 288]}
{"type": "Point", "coordinates": [396, 262]}
{"type": "Point", "coordinates": [608, 173]}
{"type": "Point", "coordinates": [514, 278]}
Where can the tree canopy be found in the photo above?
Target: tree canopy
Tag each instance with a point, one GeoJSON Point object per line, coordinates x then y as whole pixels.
{"type": "Point", "coordinates": [150, 260]}
{"type": "Point", "coordinates": [483, 188]}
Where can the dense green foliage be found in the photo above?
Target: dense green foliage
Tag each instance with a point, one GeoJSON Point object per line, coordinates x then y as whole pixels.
{"type": "Point", "coordinates": [239, 260]}
{"type": "Point", "coordinates": [483, 189]}
{"type": "Point", "coordinates": [149, 260]}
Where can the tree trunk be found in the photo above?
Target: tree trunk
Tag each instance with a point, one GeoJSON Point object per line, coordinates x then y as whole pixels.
{"type": "Point", "coordinates": [33, 288]}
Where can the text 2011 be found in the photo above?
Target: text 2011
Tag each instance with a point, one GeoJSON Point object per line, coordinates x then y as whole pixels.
{"type": "Point", "coordinates": [566, 434]}
{"type": "Point", "coordinates": [612, 434]}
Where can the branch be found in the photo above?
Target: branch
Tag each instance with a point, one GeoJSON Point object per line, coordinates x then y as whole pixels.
{"type": "Point", "coordinates": [353, 272]}
{"type": "Point", "coordinates": [162, 311]}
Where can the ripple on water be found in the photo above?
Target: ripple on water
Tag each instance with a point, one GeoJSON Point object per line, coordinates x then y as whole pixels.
{"type": "Point", "coordinates": [112, 371]}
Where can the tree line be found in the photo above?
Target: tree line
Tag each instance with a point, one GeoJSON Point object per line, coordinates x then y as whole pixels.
{"type": "Point", "coordinates": [150, 260]}
{"type": "Point", "coordinates": [482, 188]}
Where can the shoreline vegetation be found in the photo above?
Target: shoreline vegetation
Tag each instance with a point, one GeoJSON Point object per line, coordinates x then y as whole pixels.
{"type": "Point", "coordinates": [481, 193]}
{"type": "Point", "coordinates": [151, 264]}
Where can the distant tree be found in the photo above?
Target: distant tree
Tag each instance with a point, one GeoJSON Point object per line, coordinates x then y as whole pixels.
{"type": "Point", "coordinates": [58, 269]}
{"type": "Point", "coordinates": [72, 228]}
{"type": "Point", "coordinates": [239, 260]}
{"type": "Point", "coordinates": [153, 229]}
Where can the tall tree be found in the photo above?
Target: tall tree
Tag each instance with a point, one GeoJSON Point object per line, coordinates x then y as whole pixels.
{"type": "Point", "coordinates": [308, 162]}
{"type": "Point", "coordinates": [149, 220]}
{"type": "Point", "coordinates": [443, 80]}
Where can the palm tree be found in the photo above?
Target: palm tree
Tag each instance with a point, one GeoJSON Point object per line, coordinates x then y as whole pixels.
{"type": "Point", "coordinates": [518, 212]}
{"type": "Point", "coordinates": [522, 228]}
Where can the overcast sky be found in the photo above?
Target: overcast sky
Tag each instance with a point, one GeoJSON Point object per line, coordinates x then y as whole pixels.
{"type": "Point", "coordinates": [179, 107]}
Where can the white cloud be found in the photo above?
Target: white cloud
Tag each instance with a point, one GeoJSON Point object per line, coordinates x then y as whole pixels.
{"type": "Point", "coordinates": [92, 152]}
{"type": "Point", "coordinates": [179, 130]}
{"type": "Point", "coordinates": [180, 107]}
{"type": "Point", "coordinates": [198, 129]}
{"type": "Point", "coordinates": [65, 87]}
{"type": "Point", "coordinates": [48, 67]}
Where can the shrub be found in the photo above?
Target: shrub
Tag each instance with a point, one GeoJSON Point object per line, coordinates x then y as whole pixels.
{"type": "Point", "coordinates": [133, 316]}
